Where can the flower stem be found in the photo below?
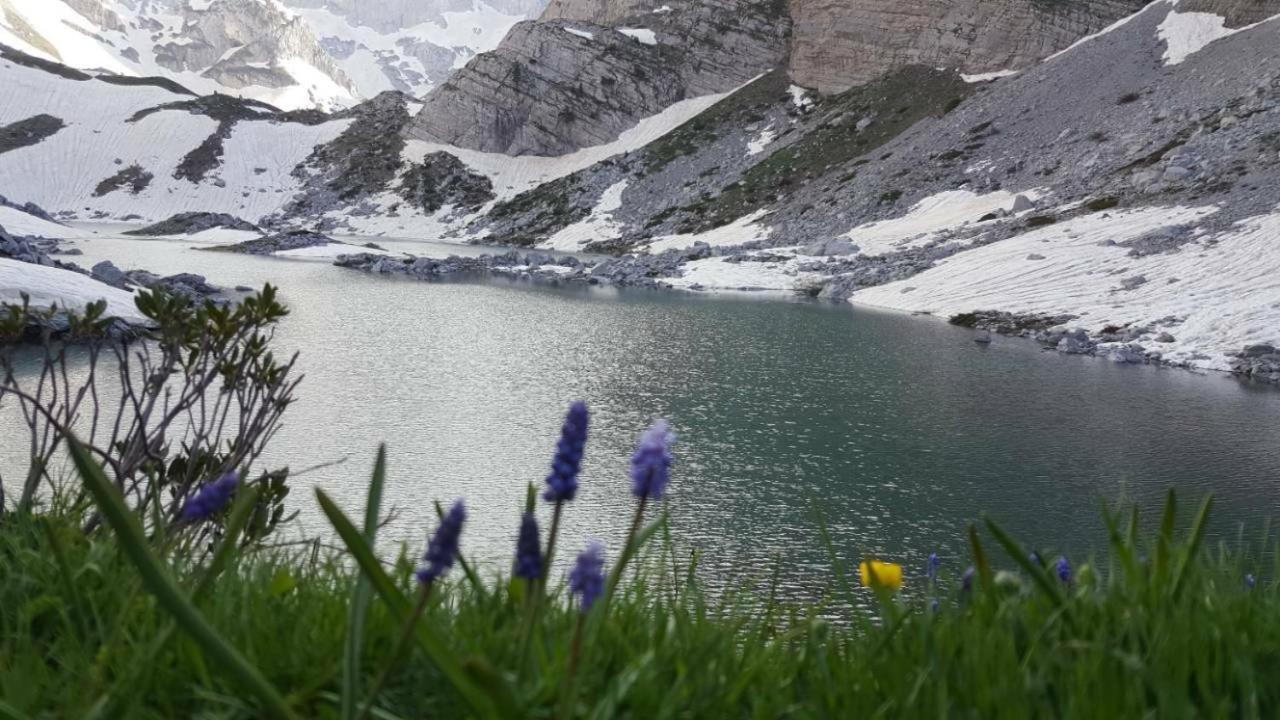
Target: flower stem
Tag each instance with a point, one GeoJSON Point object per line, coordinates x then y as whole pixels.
{"type": "Point", "coordinates": [569, 690]}
{"type": "Point", "coordinates": [551, 546]}
{"type": "Point", "coordinates": [401, 646]}
{"type": "Point", "coordinates": [628, 549]}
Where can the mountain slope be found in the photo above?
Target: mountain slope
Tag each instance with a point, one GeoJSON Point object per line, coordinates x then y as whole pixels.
{"type": "Point", "coordinates": [409, 45]}
{"type": "Point", "coordinates": [325, 54]}
{"type": "Point", "coordinates": [571, 79]}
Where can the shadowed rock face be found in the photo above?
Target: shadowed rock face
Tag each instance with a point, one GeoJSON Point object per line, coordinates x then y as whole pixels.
{"type": "Point", "coordinates": [837, 44]}
{"type": "Point", "coordinates": [1237, 13]}
{"type": "Point", "coordinates": [602, 12]}
{"type": "Point", "coordinates": [547, 91]}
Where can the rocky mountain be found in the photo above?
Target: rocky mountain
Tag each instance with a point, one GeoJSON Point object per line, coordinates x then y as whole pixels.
{"type": "Point", "coordinates": [552, 86]}
{"type": "Point", "coordinates": [322, 54]}
{"type": "Point", "coordinates": [570, 79]}
{"type": "Point", "coordinates": [409, 45]}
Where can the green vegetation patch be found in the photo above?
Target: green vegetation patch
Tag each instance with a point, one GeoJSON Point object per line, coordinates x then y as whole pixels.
{"type": "Point", "coordinates": [833, 141]}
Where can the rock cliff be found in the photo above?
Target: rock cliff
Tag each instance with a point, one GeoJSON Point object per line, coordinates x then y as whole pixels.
{"type": "Point", "coordinates": [570, 81]}
{"type": "Point", "coordinates": [837, 44]}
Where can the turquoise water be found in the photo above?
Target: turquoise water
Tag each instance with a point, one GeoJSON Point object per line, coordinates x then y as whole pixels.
{"type": "Point", "coordinates": [900, 431]}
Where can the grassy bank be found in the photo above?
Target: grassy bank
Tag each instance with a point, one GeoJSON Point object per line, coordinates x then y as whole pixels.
{"type": "Point", "coordinates": [1167, 628]}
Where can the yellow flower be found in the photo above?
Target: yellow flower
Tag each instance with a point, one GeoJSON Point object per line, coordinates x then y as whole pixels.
{"type": "Point", "coordinates": [876, 574]}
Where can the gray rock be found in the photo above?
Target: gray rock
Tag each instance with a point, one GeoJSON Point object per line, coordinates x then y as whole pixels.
{"type": "Point", "coordinates": [107, 272]}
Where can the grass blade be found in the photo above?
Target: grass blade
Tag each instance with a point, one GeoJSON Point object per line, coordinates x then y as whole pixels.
{"type": "Point", "coordinates": [1019, 554]}
{"type": "Point", "coordinates": [1164, 543]}
{"type": "Point", "coordinates": [1193, 545]}
{"type": "Point", "coordinates": [401, 607]}
{"type": "Point", "coordinates": [120, 700]}
{"type": "Point", "coordinates": [358, 614]}
{"type": "Point", "coordinates": [158, 581]}
{"type": "Point", "coordinates": [985, 576]}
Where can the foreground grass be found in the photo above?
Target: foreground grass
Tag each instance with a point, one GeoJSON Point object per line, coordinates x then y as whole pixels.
{"type": "Point", "coordinates": [1167, 629]}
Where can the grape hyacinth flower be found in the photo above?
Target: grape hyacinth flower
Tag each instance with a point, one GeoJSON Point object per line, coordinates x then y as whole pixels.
{"type": "Point", "coordinates": [932, 566]}
{"type": "Point", "coordinates": [651, 463]}
{"type": "Point", "coordinates": [966, 580]}
{"type": "Point", "coordinates": [442, 549]}
{"type": "Point", "coordinates": [210, 498]}
{"type": "Point", "coordinates": [1035, 558]}
{"type": "Point", "coordinates": [1063, 568]}
{"type": "Point", "coordinates": [586, 580]}
{"type": "Point", "coordinates": [562, 483]}
{"type": "Point", "coordinates": [528, 550]}
{"type": "Point", "coordinates": [1250, 581]}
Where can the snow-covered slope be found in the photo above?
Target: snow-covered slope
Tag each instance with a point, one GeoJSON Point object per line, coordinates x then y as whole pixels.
{"type": "Point", "coordinates": [119, 151]}
{"type": "Point", "coordinates": [325, 54]}
{"type": "Point", "coordinates": [409, 45]}
{"type": "Point", "coordinates": [249, 48]}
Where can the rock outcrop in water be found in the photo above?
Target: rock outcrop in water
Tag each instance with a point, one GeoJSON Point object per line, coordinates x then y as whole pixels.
{"type": "Point", "coordinates": [190, 223]}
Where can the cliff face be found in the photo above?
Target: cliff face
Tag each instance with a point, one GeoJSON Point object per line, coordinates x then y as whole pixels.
{"type": "Point", "coordinates": [837, 44]}
{"type": "Point", "coordinates": [604, 12]}
{"type": "Point", "coordinates": [239, 43]}
{"type": "Point", "coordinates": [556, 85]}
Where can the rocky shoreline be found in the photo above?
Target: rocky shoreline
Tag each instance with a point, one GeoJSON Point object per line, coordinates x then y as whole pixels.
{"type": "Point", "coordinates": [1129, 345]}
{"type": "Point", "coordinates": [646, 271]}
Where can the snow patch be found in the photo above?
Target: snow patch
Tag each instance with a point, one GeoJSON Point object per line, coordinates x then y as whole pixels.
{"type": "Point", "coordinates": [927, 219]}
{"type": "Point", "coordinates": [641, 35]}
{"type": "Point", "coordinates": [1225, 287]}
{"type": "Point", "coordinates": [740, 231]}
{"type": "Point", "coordinates": [988, 76]}
{"type": "Point", "coordinates": [328, 251]}
{"type": "Point", "coordinates": [599, 225]}
{"type": "Point", "coordinates": [716, 274]}
{"type": "Point", "coordinates": [17, 222]}
{"type": "Point", "coordinates": [1186, 34]}
{"type": "Point", "coordinates": [800, 97]}
{"type": "Point", "coordinates": [762, 141]}
{"type": "Point", "coordinates": [50, 286]}
{"type": "Point", "coordinates": [580, 33]}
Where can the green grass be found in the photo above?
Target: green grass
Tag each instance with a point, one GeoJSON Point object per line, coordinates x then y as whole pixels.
{"type": "Point", "coordinates": [1165, 628]}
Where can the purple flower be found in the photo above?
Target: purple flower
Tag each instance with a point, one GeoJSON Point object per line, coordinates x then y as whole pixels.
{"type": "Point", "coordinates": [932, 566]}
{"type": "Point", "coordinates": [935, 606]}
{"type": "Point", "coordinates": [562, 483]}
{"type": "Point", "coordinates": [1250, 581]}
{"type": "Point", "coordinates": [1063, 568]}
{"type": "Point", "coordinates": [966, 580]}
{"type": "Point", "coordinates": [210, 498]}
{"type": "Point", "coordinates": [586, 580]}
{"type": "Point", "coordinates": [442, 549]}
{"type": "Point", "coordinates": [1035, 559]}
{"type": "Point", "coordinates": [651, 463]}
{"type": "Point", "coordinates": [528, 549]}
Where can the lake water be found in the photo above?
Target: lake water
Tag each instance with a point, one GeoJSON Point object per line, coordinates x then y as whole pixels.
{"type": "Point", "coordinates": [899, 430]}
